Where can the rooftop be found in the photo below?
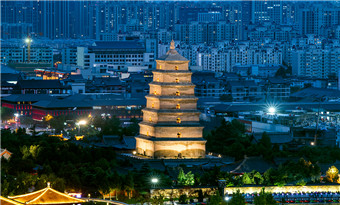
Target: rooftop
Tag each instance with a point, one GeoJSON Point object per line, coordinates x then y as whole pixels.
{"type": "Point", "coordinates": [118, 45]}
{"type": "Point", "coordinates": [46, 196]}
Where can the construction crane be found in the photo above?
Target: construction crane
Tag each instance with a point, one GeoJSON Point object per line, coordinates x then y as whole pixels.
{"type": "Point", "coordinates": [28, 40]}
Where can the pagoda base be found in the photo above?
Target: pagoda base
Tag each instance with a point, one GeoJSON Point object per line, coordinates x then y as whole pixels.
{"type": "Point", "coordinates": [171, 148]}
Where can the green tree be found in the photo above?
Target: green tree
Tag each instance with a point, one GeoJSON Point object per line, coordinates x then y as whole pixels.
{"type": "Point", "coordinates": [237, 199]}
{"type": "Point", "coordinates": [183, 199]}
{"type": "Point", "coordinates": [57, 123]}
{"type": "Point", "coordinates": [185, 179]}
{"type": "Point", "coordinates": [6, 113]}
{"type": "Point", "coordinates": [216, 199]}
{"type": "Point", "coordinates": [246, 179]}
{"type": "Point", "coordinates": [264, 198]}
{"type": "Point", "coordinates": [332, 174]}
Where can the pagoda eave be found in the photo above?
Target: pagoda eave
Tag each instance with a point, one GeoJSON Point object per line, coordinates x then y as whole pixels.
{"type": "Point", "coordinates": [171, 124]}
{"type": "Point", "coordinates": [184, 139]}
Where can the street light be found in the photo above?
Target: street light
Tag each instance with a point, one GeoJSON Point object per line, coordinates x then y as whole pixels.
{"type": "Point", "coordinates": [81, 122]}
{"type": "Point", "coordinates": [272, 110]}
{"type": "Point", "coordinates": [28, 40]}
{"type": "Point", "coordinates": [154, 180]}
{"type": "Point", "coordinates": [227, 198]}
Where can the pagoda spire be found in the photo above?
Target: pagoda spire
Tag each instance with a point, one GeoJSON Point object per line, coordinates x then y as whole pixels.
{"type": "Point", "coordinates": [172, 45]}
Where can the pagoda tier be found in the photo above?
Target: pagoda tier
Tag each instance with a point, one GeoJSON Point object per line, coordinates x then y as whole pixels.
{"type": "Point", "coordinates": [170, 126]}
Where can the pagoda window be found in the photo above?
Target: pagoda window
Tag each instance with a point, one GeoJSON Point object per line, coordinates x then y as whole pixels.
{"type": "Point", "coordinates": [177, 80]}
{"type": "Point", "coordinates": [178, 106]}
{"type": "Point", "coordinates": [157, 79]}
{"type": "Point", "coordinates": [176, 67]}
{"type": "Point", "coordinates": [152, 105]}
{"type": "Point", "coordinates": [178, 120]}
{"type": "Point", "coordinates": [155, 92]}
{"type": "Point", "coordinates": [160, 67]}
{"type": "Point", "coordinates": [147, 133]}
{"type": "Point", "coordinates": [150, 119]}
{"type": "Point", "coordinates": [177, 93]}
{"type": "Point", "coordinates": [179, 135]}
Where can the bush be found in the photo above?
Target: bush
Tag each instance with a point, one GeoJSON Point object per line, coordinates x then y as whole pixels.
{"type": "Point", "coordinates": [183, 199]}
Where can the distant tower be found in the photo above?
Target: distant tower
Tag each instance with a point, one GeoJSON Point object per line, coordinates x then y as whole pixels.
{"type": "Point", "coordinates": [170, 126]}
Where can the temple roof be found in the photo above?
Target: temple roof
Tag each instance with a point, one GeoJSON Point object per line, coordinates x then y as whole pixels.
{"type": "Point", "coordinates": [5, 201]}
{"type": "Point", "coordinates": [172, 54]}
{"type": "Point", "coordinates": [46, 196]}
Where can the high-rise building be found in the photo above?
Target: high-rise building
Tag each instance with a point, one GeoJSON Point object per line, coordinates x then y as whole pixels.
{"type": "Point", "coordinates": [259, 11]}
{"type": "Point", "coordinates": [314, 62]}
{"type": "Point", "coordinates": [170, 127]}
{"type": "Point", "coordinates": [315, 19]}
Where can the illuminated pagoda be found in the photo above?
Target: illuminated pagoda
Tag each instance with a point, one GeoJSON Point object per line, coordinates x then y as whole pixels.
{"type": "Point", "coordinates": [5, 201]}
{"type": "Point", "coordinates": [46, 196]}
{"type": "Point", "coordinates": [170, 127]}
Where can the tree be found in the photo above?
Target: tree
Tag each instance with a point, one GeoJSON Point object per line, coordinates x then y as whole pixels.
{"type": "Point", "coordinates": [237, 199]}
{"type": "Point", "coordinates": [264, 198]}
{"type": "Point", "coordinates": [216, 199]}
{"type": "Point", "coordinates": [6, 113]}
{"type": "Point", "coordinates": [332, 174]}
{"type": "Point", "coordinates": [226, 98]}
{"type": "Point", "coordinates": [25, 120]}
{"type": "Point", "coordinates": [246, 179]}
{"type": "Point", "coordinates": [183, 199]}
{"type": "Point", "coordinates": [187, 179]}
{"type": "Point", "coordinates": [57, 123]}
{"type": "Point", "coordinates": [281, 72]}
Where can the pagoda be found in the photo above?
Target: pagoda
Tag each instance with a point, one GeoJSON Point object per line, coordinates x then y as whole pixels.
{"type": "Point", "coordinates": [44, 196]}
{"type": "Point", "coordinates": [170, 128]}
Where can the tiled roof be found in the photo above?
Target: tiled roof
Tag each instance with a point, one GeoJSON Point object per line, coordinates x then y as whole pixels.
{"type": "Point", "coordinates": [253, 163]}
{"type": "Point", "coordinates": [316, 93]}
{"type": "Point", "coordinates": [172, 55]}
{"type": "Point", "coordinates": [107, 81]}
{"type": "Point", "coordinates": [39, 84]}
{"type": "Point", "coordinates": [244, 83]}
{"type": "Point", "coordinates": [62, 104]}
{"type": "Point", "coordinates": [5, 201]}
{"type": "Point", "coordinates": [27, 98]}
{"type": "Point", "coordinates": [46, 196]}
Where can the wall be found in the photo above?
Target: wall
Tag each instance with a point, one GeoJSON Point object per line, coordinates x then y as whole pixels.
{"type": "Point", "coordinates": [176, 193]}
{"type": "Point", "coordinates": [276, 189]}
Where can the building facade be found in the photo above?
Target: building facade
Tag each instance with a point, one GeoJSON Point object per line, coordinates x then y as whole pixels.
{"type": "Point", "coordinates": [170, 126]}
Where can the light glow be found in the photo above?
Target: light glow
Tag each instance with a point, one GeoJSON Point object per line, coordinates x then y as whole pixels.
{"type": "Point", "coordinates": [272, 110]}
{"type": "Point", "coordinates": [82, 122]}
{"type": "Point", "coordinates": [154, 180]}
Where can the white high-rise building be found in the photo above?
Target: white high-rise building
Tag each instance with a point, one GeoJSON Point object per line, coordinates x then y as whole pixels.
{"type": "Point", "coordinates": [315, 62]}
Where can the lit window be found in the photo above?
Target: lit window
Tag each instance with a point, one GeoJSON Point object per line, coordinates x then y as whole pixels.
{"type": "Point", "coordinates": [157, 79]}
{"type": "Point", "coordinates": [176, 67]}
{"type": "Point", "coordinates": [178, 120]}
{"type": "Point", "coordinates": [152, 105]}
{"type": "Point", "coordinates": [147, 133]}
{"type": "Point", "coordinates": [160, 67]}
{"type": "Point", "coordinates": [177, 93]}
{"type": "Point", "coordinates": [155, 92]}
{"type": "Point", "coordinates": [179, 135]}
{"type": "Point", "coordinates": [178, 107]}
{"type": "Point", "coordinates": [150, 119]}
{"type": "Point", "coordinates": [177, 80]}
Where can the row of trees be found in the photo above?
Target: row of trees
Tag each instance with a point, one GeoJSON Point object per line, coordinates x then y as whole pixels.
{"type": "Point", "coordinates": [230, 139]}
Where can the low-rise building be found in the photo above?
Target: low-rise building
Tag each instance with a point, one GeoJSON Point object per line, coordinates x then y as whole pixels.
{"type": "Point", "coordinates": [277, 88]}
{"type": "Point", "coordinates": [244, 90]}
{"type": "Point", "coordinates": [207, 85]}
